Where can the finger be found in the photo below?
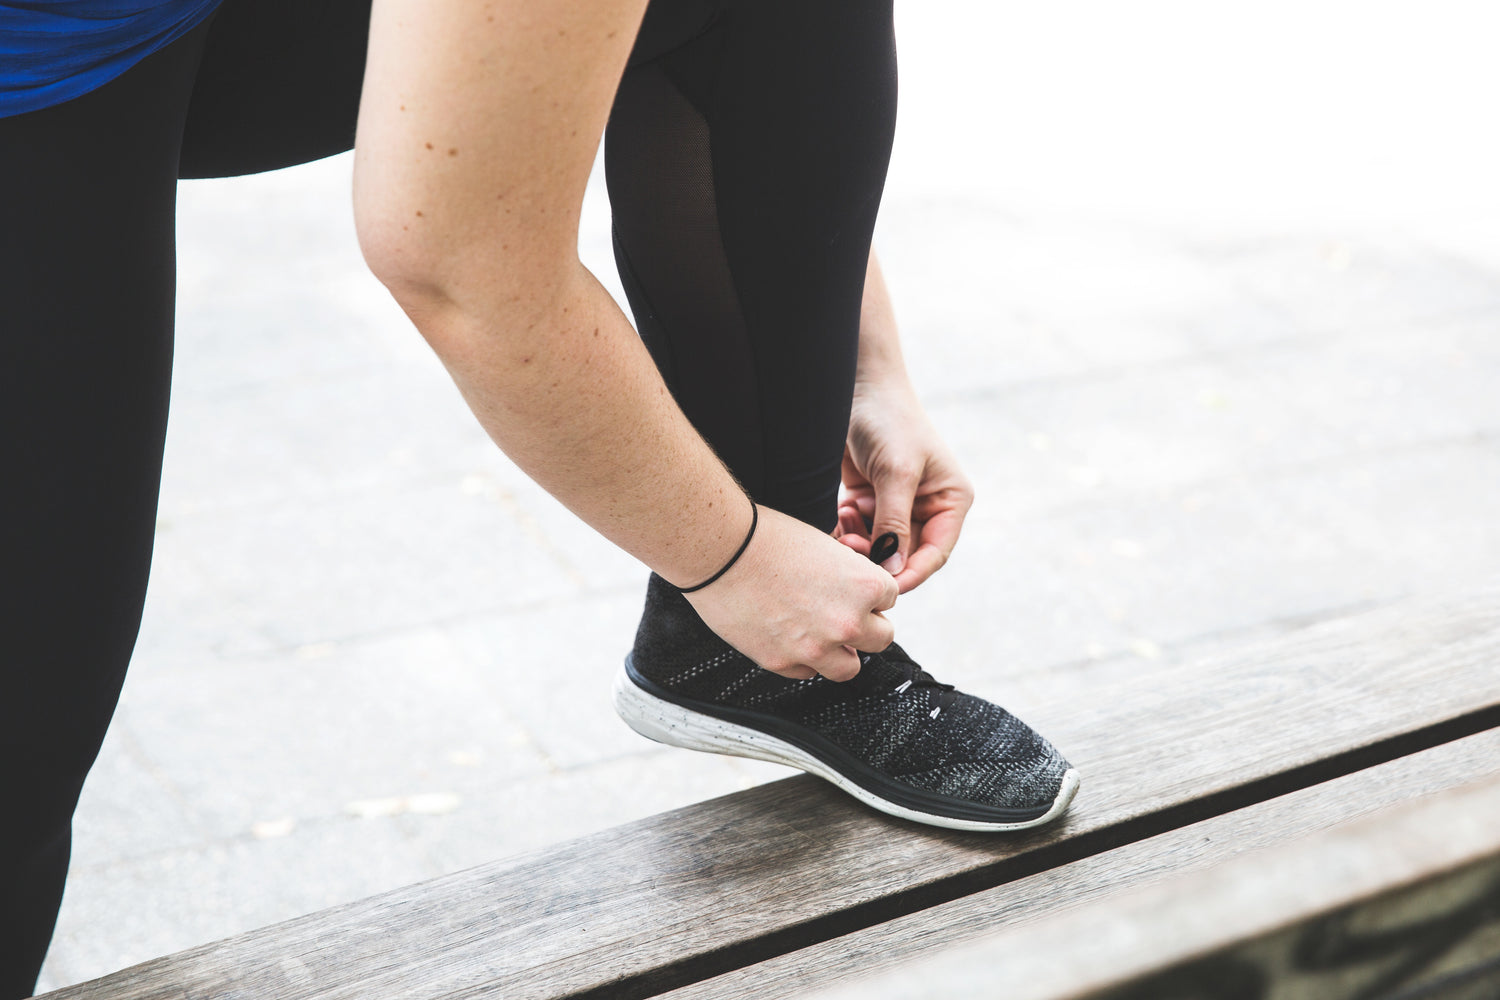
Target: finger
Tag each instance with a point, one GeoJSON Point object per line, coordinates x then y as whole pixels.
{"type": "Point", "coordinates": [850, 521]}
{"type": "Point", "coordinates": [884, 547]}
{"type": "Point", "coordinates": [927, 559]}
{"type": "Point", "coordinates": [878, 633]}
{"type": "Point", "coordinates": [860, 503]}
{"type": "Point", "coordinates": [939, 536]}
{"type": "Point", "coordinates": [839, 664]}
{"type": "Point", "coordinates": [796, 672]}
{"type": "Point", "coordinates": [849, 474]}
{"type": "Point", "coordinates": [888, 594]}
{"type": "Point", "coordinates": [858, 544]}
{"type": "Point", "coordinates": [894, 496]}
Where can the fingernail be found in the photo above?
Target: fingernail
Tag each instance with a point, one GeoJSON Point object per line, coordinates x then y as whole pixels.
{"type": "Point", "coordinates": [894, 564]}
{"type": "Point", "coordinates": [883, 548]}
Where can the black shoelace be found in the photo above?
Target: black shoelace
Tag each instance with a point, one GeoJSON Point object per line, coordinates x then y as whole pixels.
{"type": "Point", "coordinates": [913, 676]}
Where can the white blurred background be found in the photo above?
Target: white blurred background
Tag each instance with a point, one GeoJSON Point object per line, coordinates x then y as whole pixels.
{"type": "Point", "coordinates": [1269, 116]}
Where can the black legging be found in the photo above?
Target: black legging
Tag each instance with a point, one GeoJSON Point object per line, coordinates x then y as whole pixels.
{"type": "Point", "coordinates": [745, 155]}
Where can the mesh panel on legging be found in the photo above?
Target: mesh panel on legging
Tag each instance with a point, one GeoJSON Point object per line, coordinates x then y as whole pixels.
{"type": "Point", "coordinates": [745, 169]}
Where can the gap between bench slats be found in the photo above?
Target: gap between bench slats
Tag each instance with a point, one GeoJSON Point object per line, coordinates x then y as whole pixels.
{"type": "Point", "coordinates": [898, 943]}
{"type": "Point", "coordinates": [1421, 878]}
{"type": "Point", "coordinates": [676, 898]}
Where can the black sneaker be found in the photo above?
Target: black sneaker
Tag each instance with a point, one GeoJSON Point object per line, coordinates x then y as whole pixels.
{"type": "Point", "coordinates": [892, 737]}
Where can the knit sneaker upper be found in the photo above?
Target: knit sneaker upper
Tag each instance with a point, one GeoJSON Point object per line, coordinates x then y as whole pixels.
{"type": "Point", "coordinates": [893, 716]}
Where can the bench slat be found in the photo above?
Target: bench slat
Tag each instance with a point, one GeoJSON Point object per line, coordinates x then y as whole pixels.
{"type": "Point", "coordinates": [667, 901]}
{"type": "Point", "coordinates": [1389, 904]}
{"type": "Point", "coordinates": [896, 944]}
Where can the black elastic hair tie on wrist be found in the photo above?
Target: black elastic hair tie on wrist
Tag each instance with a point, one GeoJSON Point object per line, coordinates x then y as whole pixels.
{"type": "Point", "coordinates": [754, 520]}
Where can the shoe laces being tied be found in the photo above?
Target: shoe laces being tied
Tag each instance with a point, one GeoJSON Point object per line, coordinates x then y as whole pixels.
{"type": "Point", "coordinates": [912, 674]}
{"type": "Point", "coordinates": [913, 677]}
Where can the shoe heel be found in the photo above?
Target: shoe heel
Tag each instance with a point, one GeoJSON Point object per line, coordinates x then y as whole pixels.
{"type": "Point", "coordinates": [656, 719]}
{"type": "Point", "coordinates": [664, 722]}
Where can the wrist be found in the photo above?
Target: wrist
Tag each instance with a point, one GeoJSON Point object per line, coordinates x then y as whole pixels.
{"type": "Point", "coordinates": [884, 396]}
{"type": "Point", "coordinates": [882, 378]}
{"type": "Point", "coordinates": [710, 541]}
{"type": "Point", "coordinates": [733, 559]}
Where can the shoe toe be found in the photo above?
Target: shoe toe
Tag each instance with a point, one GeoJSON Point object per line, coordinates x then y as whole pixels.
{"type": "Point", "coordinates": [1003, 763]}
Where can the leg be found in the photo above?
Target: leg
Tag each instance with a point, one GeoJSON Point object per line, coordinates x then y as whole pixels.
{"type": "Point", "coordinates": [86, 287]}
{"type": "Point", "coordinates": [87, 274]}
{"type": "Point", "coordinates": [745, 168]}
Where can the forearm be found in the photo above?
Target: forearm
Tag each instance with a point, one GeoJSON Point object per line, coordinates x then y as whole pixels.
{"type": "Point", "coordinates": [572, 396]}
{"type": "Point", "coordinates": [899, 476]}
{"type": "Point", "coordinates": [478, 127]}
{"type": "Point", "coordinates": [880, 358]}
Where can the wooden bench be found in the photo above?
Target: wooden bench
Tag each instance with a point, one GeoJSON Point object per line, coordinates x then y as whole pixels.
{"type": "Point", "coordinates": [791, 887]}
{"type": "Point", "coordinates": [1405, 902]}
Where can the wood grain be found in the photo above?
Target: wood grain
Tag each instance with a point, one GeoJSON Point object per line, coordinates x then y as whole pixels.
{"type": "Point", "coordinates": [1389, 903]}
{"type": "Point", "coordinates": [897, 943]}
{"type": "Point", "coordinates": [667, 901]}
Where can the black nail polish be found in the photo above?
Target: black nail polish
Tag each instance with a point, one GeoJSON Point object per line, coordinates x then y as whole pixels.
{"type": "Point", "coordinates": [884, 547]}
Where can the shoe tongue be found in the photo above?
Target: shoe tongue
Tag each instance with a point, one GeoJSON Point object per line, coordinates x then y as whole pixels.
{"type": "Point", "coordinates": [900, 667]}
{"type": "Point", "coordinates": [909, 669]}
{"type": "Point", "coordinates": [880, 670]}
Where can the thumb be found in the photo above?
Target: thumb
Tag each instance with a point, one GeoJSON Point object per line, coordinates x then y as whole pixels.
{"type": "Point", "coordinates": [894, 495]}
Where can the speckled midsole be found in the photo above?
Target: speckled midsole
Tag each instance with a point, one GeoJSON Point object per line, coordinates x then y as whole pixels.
{"type": "Point", "coordinates": [657, 715]}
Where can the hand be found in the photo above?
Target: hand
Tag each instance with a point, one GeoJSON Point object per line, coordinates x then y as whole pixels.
{"type": "Point", "coordinates": [798, 603]}
{"type": "Point", "coordinates": [900, 477]}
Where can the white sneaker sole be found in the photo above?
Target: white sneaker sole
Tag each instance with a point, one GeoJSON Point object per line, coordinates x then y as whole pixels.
{"type": "Point", "coordinates": [674, 725]}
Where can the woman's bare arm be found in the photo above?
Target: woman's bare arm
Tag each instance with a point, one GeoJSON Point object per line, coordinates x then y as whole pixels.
{"type": "Point", "coordinates": [898, 473]}
{"type": "Point", "coordinates": [478, 127]}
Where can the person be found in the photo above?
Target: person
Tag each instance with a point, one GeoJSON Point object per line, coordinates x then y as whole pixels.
{"type": "Point", "coordinates": [746, 144]}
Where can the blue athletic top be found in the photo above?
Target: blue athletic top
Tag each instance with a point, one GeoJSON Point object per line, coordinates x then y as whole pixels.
{"type": "Point", "coordinates": [55, 50]}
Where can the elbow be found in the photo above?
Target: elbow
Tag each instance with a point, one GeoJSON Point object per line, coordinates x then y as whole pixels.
{"type": "Point", "coordinates": [449, 277]}
{"type": "Point", "coordinates": [415, 268]}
